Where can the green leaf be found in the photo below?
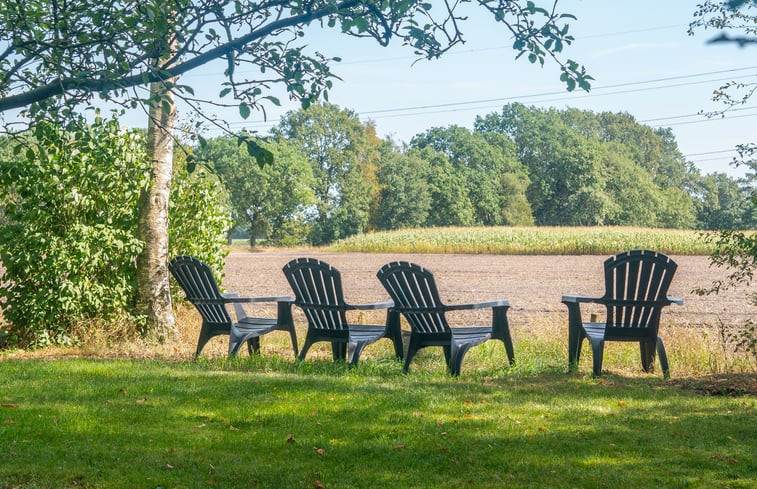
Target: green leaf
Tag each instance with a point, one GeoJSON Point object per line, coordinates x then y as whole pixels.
{"type": "Point", "coordinates": [261, 155]}
{"type": "Point", "coordinates": [244, 110]}
{"type": "Point", "coordinates": [224, 92]}
{"type": "Point", "coordinates": [274, 100]}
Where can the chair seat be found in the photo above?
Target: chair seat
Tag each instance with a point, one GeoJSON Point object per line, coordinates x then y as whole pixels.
{"type": "Point", "coordinates": [366, 332]}
{"type": "Point", "coordinates": [599, 332]}
{"type": "Point", "coordinates": [472, 336]}
{"type": "Point", "coordinates": [255, 323]}
{"type": "Point", "coordinates": [594, 331]}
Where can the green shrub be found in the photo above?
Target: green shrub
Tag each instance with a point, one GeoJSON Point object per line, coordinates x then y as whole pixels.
{"type": "Point", "coordinates": [199, 217]}
{"type": "Point", "coordinates": [69, 244]}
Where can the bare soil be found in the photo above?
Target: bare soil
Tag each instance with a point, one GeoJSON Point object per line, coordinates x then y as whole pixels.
{"type": "Point", "coordinates": [534, 285]}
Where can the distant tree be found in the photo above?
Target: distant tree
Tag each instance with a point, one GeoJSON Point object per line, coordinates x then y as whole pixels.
{"type": "Point", "coordinates": [598, 168]}
{"type": "Point", "coordinates": [343, 153]}
{"type": "Point", "coordinates": [723, 203]}
{"type": "Point", "coordinates": [404, 195]}
{"type": "Point", "coordinates": [270, 200]}
{"type": "Point", "coordinates": [567, 185]}
{"type": "Point", "coordinates": [636, 198]}
{"type": "Point", "coordinates": [495, 179]}
{"type": "Point", "coordinates": [450, 201]}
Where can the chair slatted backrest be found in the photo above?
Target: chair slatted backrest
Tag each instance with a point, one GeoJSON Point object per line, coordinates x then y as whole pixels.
{"type": "Point", "coordinates": [636, 289]}
{"type": "Point", "coordinates": [199, 285]}
{"type": "Point", "coordinates": [317, 287]}
{"type": "Point", "coordinates": [413, 290]}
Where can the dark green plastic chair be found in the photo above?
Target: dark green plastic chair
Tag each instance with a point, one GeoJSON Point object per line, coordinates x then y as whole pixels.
{"type": "Point", "coordinates": [415, 296]}
{"type": "Point", "coordinates": [317, 287]}
{"type": "Point", "coordinates": [199, 285]}
{"type": "Point", "coordinates": [636, 287]}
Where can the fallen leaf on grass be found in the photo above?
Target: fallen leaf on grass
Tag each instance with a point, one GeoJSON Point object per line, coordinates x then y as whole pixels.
{"type": "Point", "coordinates": [399, 446]}
{"type": "Point", "coordinates": [320, 451]}
{"type": "Point", "coordinates": [9, 422]}
{"type": "Point", "coordinates": [318, 485]}
{"type": "Point", "coordinates": [9, 405]}
{"type": "Point", "coordinates": [621, 403]}
{"type": "Point", "coordinates": [290, 438]}
{"type": "Point", "coordinates": [141, 401]}
{"type": "Point", "coordinates": [723, 458]}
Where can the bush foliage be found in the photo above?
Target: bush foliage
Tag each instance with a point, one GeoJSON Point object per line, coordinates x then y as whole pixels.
{"type": "Point", "coordinates": [69, 243]}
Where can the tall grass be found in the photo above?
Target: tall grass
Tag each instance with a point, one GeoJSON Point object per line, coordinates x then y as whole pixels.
{"type": "Point", "coordinates": [528, 241]}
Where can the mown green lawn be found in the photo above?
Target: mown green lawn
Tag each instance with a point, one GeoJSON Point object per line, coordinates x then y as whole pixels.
{"type": "Point", "coordinates": [273, 422]}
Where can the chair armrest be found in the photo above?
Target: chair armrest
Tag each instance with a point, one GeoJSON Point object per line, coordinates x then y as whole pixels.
{"type": "Point", "coordinates": [675, 300]}
{"type": "Point", "coordinates": [570, 298]}
{"type": "Point", "coordinates": [368, 307]}
{"type": "Point", "coordinates": [478, 305]}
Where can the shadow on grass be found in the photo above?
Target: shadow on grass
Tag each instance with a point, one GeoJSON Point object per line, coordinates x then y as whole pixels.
{"type": "Point", "coordinates": [274, 422]}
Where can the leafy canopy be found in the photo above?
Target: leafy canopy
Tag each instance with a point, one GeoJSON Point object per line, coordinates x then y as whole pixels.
{"type": "Point", "coordinates": [68, 52]}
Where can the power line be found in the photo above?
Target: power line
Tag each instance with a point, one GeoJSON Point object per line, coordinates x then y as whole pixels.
{"type": "Point", "coordinates": [457, 106]}
{"type": "Point", "coordinates": [694, 115]}
{"type": "Point", "coordinates": [545, 94]}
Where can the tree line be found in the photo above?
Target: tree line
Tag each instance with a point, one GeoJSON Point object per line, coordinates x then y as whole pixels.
{"type": "Point", "coordinates": [332, 177]}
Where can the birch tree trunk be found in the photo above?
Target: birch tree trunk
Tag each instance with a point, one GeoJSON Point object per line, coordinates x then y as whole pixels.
{"type": "Point", "coordinates": [153, 292]}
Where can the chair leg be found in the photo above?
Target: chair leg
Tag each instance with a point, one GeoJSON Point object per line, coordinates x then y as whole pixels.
{"type": "Point", "coordinates": [293, 335]}
{"type": "Point", "coordinates": [501, 330]}
{"type": "Point", "coordinates": [354, 349]}
{"type": "Point", "coordinates": [663, 358]}
{"type": "Point", "coordinates": [575, 340]}
{"type": "Point", "coordinates": [394, 332]}
{"type": "Point", "coordinates": [597, 350]}
{"type": "Point", "coordinates": [338, 350]}
{"type": "Point", "coordinates": [286, 323]}
{"type": "Point", "coordinates": [412, 349]}
{"type": "Point", "coordinates": [234, 346]}
{"type": "Point", "coordinates": [457, 352]}
{"type": "Point", "coordinates": [202, 340]}
{"type": "Point", "coordinates": [647, 350]}
{"type": "Point", "coordinates": [253, 345]}
{"type": "Point", "coordinates": [448, 355]}
{"type": "Point", "coordinates": [305, 347]}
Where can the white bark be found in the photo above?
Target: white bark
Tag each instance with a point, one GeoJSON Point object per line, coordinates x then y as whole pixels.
{"type": "Point", "coordinates": [153, 292]}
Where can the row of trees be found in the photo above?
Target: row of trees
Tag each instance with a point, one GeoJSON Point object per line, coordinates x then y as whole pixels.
{"type": "Point", "coordinates": [332, 177]}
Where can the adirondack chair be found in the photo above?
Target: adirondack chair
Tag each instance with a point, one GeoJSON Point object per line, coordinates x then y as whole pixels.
{"type": "Point", "coordinates": [318, 292]}
{"type": "Point", "coordinates": [636, 287]}
{"type": "Point", "coordinates": [199, 285]}
{"type": "Point", "coordinates": [415, 296]}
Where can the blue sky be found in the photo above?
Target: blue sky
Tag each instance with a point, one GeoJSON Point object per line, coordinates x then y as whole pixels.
{"type": "Point", "coordinates": [639, 53]}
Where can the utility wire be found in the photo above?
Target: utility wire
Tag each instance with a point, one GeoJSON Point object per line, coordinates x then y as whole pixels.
{"type": "Point", "coordinates": [455, 106]}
